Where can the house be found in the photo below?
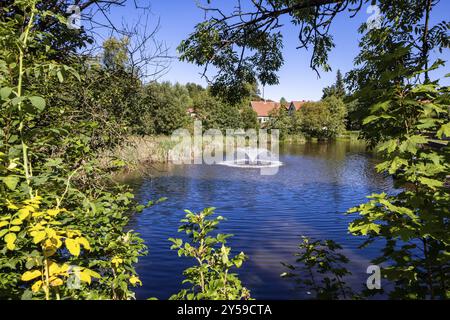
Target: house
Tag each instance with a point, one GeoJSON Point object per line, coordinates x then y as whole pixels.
{"type": "Point", "coordinates": [191, 112]}
{"type": "Point", "coordinates": [263, 108]}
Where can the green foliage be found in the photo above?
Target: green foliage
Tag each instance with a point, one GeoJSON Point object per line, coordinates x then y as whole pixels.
{"type": "Point", "coordinates": [414, 222]}
{"type": "Point", "coordinates": [115, 55]}
{"type": "Point", "coordinates": [338, 113]}
{"type": "Point", "coordinates": [210, 278]}
{"type": "Point", "coordinates": [245, 45]}
{"type": "Point", "coordinates": [323, 119]}
{"type": "Point", "coordinates": [215, 114]}
{"type": "Point", "coordinates": [281, 120]}
{"type": "Point", "coordinates": [322, 269]}
{"type": "Point", "coordinates": [404, 112]}
{"type": "Point", "coordinates": [62, 220]}
{"type": "Point", "coordinates": [337, 89]}
{"type": "Point", "coordinates": [205, 46]}
{"type": "Point", "coordinates": [167, 106]}
{"type": "Point", "coordinates": [249, 118]}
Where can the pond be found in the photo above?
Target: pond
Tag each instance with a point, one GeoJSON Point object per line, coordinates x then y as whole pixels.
{"type": "Point", "coordinates": [309, 195]}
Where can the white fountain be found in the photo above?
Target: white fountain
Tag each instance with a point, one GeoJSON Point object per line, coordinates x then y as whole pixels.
{"type": "Point", "coordinates": [253, 158]}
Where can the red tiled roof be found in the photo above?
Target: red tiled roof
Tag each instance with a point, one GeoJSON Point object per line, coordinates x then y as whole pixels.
{"type": "Point", "coordinates": [298, 104]}
{"type": "Point", "coordinates": [262, 108]}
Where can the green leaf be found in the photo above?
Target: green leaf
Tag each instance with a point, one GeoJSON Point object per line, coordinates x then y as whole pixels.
{"type": "Point", "coordinates": [382, 105]}
{"type": "Point", "coordinates": [60, 76]}
{"type": "Point", "coordinates": [5, 92]}
{"type": "Point", "coordinates": [432, 183]}
{"type": "Point", "coordinates": [396, 164]}
{"type": "Point", "coordinates": [364, 229]}
{"type": "Point", "coordinates": [11, 182]}
{"type": "Point", "coordinates": [16, 100]}
{"type": "Point", "coordinates": [370, 119]}
{"type": "Point", "coordinates": [390, 146]}
{"type": "Point", "coordinates": [411, 144]}
{"type": "Point", "coordinates": [176, 243]}
{"type": "Point", "coordinates": [37, 102]}
{"type": "Point", "coordinates": [444, 131]}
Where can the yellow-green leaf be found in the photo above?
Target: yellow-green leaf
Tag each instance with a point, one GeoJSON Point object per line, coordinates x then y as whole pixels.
{"type": "Point", "coordinates": [432, 183]}
{"type": "Point", "coordinates": [444, 131]}
{"type": "Point", "coordinates": [30, 275]}
{"type": "Point", "coordinates": [73, 246]}
{"type": "Point", "coordinates": [135, 280]}
{"type": "Point", "coordinates": [16, 222]}
{"type": "Point", "coordinates": [85, 276]}
{"type": "Point", "coordinates": [83, 241]}
{"type": "Point", "coordinates": [38, 236]}
{"type": "Point", "coordinates": [23, 213]}
{"type": "Point", "coordinates": [56, 282]}
{"type": "Point", "coordinates": [36, 286]}
{"type": "Point", "coordinates": [10, 238]}
{"type": "Point", "coordinates": [93, 273]}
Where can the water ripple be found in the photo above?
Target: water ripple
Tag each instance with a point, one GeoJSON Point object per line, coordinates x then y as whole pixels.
{"type": "Point", "coordinates": [308, 196]}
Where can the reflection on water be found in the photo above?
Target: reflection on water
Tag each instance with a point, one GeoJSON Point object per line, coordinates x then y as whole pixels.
{"type": "Point", "coordinates": [309, 195]}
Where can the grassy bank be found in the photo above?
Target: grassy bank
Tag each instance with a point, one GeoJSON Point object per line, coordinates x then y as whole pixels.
{"type": "Point", "coordinates": [137, 151]}
{"type": "Point", "coordinates": [300, 138]}
{"type": "Point", "coordinates": [348, 135]}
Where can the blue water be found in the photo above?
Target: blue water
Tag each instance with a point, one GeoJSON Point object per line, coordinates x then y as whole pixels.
{"type": "Point", "coordinates": [267, 214]}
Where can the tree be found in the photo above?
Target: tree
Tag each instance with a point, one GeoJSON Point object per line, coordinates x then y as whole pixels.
{"type": "Point", "coordinates": [253, 91]}
{"type": "Point", "coordinates": [194, 90]}
{"type": "Point", "coordinates": [404, 110]}
{"type": "Point", "coordinates": [167, 105]}
{"type": "Point", "coordinates": [315, 117]}
{"type": "Point", "coordinates": [337, 89]}
{"type": "Point", "coordinates": [216, 114]}
{"type": "Point", "coordinates": [244, 46]}
{"type": "Point", "coordinates": [281, 120]}
{"type": "Point", "coordinates": [413, 222]}
{"type": "Point", "coordinates": [249, 117]}
{"type": "Point", "coordinates": [323, 119]}
{"type": "Point", "coordinates": [338, 114]}
{"type": "Point", "coordinates": [115, 55]}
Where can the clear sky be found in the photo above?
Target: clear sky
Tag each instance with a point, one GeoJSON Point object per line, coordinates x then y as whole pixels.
{"type": "Point", "coordinates": [297, 81]}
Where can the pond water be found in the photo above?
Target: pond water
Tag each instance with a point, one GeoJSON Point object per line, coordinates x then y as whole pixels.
{"type": "Point", "coordinates": [309, 195]}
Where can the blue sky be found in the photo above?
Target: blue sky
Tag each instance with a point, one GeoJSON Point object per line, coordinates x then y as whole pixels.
{"type": "Point", "coordinates": [297, 81]}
